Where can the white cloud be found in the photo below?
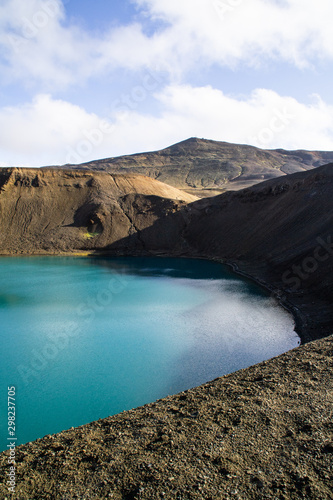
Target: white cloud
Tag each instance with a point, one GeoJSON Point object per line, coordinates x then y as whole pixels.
{"type": "Point", "coordinates": [36, 47]}
{"type": "Point", "coordinates": [230, 31]}
{"type": "Point", "coordinates": [264, 119]}
{"type": "Point", "coordinates": [47, 131]}
{"type": "Point", "coordinates": [40, 47]}
{"type": "Point", "coordinates": [42, 131]}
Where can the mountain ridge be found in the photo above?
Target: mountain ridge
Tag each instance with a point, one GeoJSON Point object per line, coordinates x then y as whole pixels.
{"type": "Point", "coordinates": [207, 168]}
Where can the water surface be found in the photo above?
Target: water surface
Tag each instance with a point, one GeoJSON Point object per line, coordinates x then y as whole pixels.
{"type": "Point", "coordinates": [84, 338]}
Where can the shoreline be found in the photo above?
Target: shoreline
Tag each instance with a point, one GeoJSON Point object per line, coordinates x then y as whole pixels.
{"type": "Point", "coordinates": [283, 302]}
{"type": "Point", "coordinates": [220, 268]}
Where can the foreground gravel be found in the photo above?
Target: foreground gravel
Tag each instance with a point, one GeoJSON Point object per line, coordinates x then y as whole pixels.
{"type": "Point", "coordinates": [265, 432]}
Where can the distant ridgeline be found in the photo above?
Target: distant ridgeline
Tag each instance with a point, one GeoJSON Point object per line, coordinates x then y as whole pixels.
{"type": "Point", "coordinates": [207, 168]}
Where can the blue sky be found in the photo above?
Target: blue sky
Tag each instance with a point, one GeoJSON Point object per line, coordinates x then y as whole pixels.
{"type": "Point", "coordinates": [82, 79]}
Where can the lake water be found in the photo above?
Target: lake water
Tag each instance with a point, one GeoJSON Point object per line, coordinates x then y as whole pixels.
{"type": "Point", "coordinates": [85, 338]}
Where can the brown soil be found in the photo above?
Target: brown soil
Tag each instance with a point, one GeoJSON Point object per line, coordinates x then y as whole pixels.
{"type": "Point", "coordinates": [60, 211]}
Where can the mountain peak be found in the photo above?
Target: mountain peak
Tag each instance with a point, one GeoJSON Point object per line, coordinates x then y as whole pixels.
{"type": "Point", "coordinates": [204, 167]}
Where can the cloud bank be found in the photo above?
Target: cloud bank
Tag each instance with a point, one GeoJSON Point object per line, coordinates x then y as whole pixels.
{"type": "Point", "coordinates": [41, 46]}
{"type": "Point", "coordinates": [48, 54]}
{"type": "Point", "coordinates": [48, 131]}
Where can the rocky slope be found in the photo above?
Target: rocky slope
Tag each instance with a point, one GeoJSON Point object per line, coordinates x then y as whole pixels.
{"type": "Point", "coordinates": [59, 211]}
{"type": "Point", "coordinates": [278, 232]}
{"type": "Point", "coordinates": [207, 168]}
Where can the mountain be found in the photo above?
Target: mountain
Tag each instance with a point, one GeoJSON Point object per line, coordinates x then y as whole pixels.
{"type": "Point", "coordinates": [207, 168]}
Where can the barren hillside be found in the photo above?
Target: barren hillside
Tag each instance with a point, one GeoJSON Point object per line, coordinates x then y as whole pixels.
{"type": "Point", "coordinates": [59, 211]}
{"type": "Point", "coordinates": [207, 168]}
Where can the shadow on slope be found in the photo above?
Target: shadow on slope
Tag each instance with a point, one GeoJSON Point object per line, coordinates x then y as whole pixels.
{"type": "Point", "coordinates": [279, 232]}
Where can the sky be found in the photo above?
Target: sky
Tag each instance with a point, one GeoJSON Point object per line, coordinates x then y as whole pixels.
{"type": "Point", "coordinates": [88, 79]}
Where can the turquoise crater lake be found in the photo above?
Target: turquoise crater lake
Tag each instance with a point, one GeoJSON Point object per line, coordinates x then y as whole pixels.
{"type": "Point", "coordinates": [85, 338]}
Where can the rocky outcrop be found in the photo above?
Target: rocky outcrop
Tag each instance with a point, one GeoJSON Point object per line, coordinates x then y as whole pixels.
{"type": "Point", "coordinates": [208, 168]}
